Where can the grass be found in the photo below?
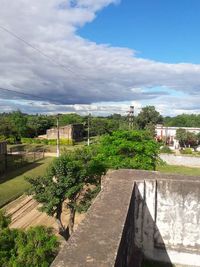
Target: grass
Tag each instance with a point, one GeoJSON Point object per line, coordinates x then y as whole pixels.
{"type": "Point", "coordinates": [41, 147]}
{"type": "Point", "coordinates": [14, 184]}
{"type": "Point", "coordinates": [179, 169]}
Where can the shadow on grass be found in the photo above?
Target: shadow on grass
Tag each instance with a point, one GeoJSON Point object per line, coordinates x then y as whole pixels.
{"type": "Point", "coordinates": [13, 173]}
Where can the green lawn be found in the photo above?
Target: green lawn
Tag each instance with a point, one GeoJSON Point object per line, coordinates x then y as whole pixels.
{"type": "Point", "coordinates": [179, 169]}
{"type": "Point", "coordinates": [41, 147]}
{"type": "Point", "coordinates": [14, 184]}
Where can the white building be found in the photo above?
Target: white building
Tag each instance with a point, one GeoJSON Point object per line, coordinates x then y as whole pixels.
{"type": "Point", "coordinates": [168, 134]}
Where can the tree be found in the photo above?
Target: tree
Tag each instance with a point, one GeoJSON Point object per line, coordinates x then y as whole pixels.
{"type": "Point", "coordinates": [35, 247]}
{"type": "Point", "coordinates": [148, 116]}
{"type": "Point", "coordinates": [19, 121]}
{"type": "Point", "coordinates": [129, 149]}
{"type": "Point", "coordinates": [65, 181]}
{"type": "Point", "coordinates": [186, 138]}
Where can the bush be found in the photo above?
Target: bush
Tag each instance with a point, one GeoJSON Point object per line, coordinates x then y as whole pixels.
{"type": "Point", "coordinates": [52, 142]}
{"type": "Point", "coordinates": [166, 149]}
{"type": "Point", "coordinates": [11, 140]}
{"type": "Point", "coordinates": [34, 247]}
{"type": "Point", "coordinates": [186, 151]}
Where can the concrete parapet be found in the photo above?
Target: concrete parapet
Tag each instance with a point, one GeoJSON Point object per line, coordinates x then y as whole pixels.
{"type": "Point", "coordinates": [138, 214]}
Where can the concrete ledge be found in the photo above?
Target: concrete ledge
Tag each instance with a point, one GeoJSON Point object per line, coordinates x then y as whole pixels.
{"type": "Point", "coordinates": [100, 241]}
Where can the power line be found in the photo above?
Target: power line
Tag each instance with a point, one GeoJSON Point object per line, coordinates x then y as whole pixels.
{"type": "Point", "coordinates": [42, 53]}
{"type": "Point", "coordinates": [29, 95]}
{"type": "Point", "coordinates": [35, 48]}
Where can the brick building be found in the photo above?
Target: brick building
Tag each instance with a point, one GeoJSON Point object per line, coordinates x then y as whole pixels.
{"type": "Point", "coordinates": [70, 132]}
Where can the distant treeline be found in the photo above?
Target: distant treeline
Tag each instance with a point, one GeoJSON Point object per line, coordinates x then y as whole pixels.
{"type": "Point", "coordinates": [183, 120]}
{"type": "Point", "coordinates": [16, 125]}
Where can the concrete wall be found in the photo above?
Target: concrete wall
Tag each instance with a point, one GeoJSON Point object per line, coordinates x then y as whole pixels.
{"type": "Point", "coordinates": [168, 225]}
{"type": "Point", "coordinates": [70, 132]}
{"type": "Point", "coordinates": [137, 215]}
{"type": "Point", "coordinates": [181, 160]}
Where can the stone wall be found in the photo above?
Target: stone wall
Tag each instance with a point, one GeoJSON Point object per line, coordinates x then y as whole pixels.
{"type": "Point", "coordinates": [181, 160]}
{"type": "Point", "coordinates": [138, 215]}
{"type": "Point", "coordinates": [70, 132]}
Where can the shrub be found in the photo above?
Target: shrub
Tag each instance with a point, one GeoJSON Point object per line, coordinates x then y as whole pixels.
{"type": "Point", "coordinates": [34, 247]}
{"type": "Point", "coordinates": [52, 142]}
{"type": "Point", "coordinates": [166, 149]}
{"type": "Point", "coordinates": [186, 151]}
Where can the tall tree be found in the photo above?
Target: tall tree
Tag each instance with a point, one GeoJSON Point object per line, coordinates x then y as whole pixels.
{"type": "Point", "coordinates": [65, 180]}
{"type": "Point", "coordinates": [19, 121]}
{"type": "Point", "coordinates": [148, 116]}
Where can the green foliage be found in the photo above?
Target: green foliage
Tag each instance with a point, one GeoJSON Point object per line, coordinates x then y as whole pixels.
{"type": "Point", "coordinates": [187, 138]}
{"type": "Point", "coordinates": [86, 201]}
{"type": "Point", "coordinates": [53, 142]}
{"type": "Point", "coordinates": [35, 247]}
{"type": "Point", "coordinates": [129, 149]}
{"type": "Point", "coordinates": [183, 120]}
{"type": "Point", "coordinates": [65, 179]}
{"type": "Point", "coordinates": [4, 220]}
{"type": "Point", "coordinates": [72, 118]}
{"type": "Point", "coordinates": [100, 126]}
{"type": "Point", "coordinates": [186, 151]}
{"type": "Point", "coordinates": [148, 117]}
{"type": "Point", "coordinates": [166, 149]}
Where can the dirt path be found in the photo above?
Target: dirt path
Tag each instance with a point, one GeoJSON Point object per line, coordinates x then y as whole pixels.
{"type": "Point", "coordinates": [24, 213]}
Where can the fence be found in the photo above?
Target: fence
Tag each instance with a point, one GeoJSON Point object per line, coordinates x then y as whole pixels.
{"type": "Point", "coordinates": [14, 161]}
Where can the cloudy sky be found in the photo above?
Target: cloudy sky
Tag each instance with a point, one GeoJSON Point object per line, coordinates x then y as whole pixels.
{"type": "Point", "coordinates": [99, 56]}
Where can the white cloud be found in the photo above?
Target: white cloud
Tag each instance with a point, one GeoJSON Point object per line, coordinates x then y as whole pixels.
{"type": "Point", "coordinates": [91, 73]}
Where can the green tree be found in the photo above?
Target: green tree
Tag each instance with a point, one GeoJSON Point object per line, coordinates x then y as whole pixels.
{"type": "Point", "coordinates": [65, 180]}
{"type": "Point", "coordinates": [19, 120]}
{"type": "Point", "coordinates": [181, 136]}
{"type": "Point", "coordinates": [129, 149]}
{"type": "Point", "coordinates": [36, 247]}
{"type": "Point", "coordinates": [148, 116]}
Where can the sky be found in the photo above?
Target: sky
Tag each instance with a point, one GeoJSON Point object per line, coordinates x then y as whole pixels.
{"type": "Point", "coordinates": [100, 56]}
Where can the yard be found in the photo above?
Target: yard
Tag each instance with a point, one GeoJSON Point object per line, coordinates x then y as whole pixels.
{"type": "Point", "coordinates": [13, 184]}
{"type": "Point", "coordinates": [179, 170]}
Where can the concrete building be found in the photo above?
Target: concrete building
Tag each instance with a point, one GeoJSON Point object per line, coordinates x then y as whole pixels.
{"type": "Point", "coordinates": [3, 148]}
{"type": "Point", "coordinates": [138, 215]}
{"type": "Point", "coordinates": [70, 132]}
{"type": "Point", "coordinates": [168, 134]}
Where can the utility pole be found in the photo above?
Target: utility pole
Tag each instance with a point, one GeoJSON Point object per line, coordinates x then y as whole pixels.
{"type": "Point", "coordinates": [88, 140]}
{"type": "Point", "coordinates": [58, 137]}
{"type": "Point", "coordinates": [130, 117]}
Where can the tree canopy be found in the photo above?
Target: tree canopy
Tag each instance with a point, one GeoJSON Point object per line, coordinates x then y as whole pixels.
{"type": "Point", "coordinates": [129, 149]}
{"type": "Point", "coordinates": [65, 180]}
{"type": "Point", "coordinates": [36, 247]}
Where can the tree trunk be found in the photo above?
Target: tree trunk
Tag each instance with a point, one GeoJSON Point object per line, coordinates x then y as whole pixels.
{"type": "Point", "coordinates": [61, 228]}
{"type": "Point", "coordinates": [71, 219]}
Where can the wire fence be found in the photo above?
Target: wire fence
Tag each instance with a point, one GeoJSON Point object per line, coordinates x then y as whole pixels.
{"type": "Point", "coordinates": [9, 162]}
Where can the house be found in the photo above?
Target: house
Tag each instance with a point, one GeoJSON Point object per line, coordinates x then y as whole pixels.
{"type": "Point", "coordinates": [168, 134]}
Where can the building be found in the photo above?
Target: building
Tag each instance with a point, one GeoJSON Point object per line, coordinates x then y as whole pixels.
{"type": "Point", "coordinates": [70, 132]}
{"type": "Point", "coordinates": [3, 148]}
{"type": "Point", "coordinates": [168, 134]}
